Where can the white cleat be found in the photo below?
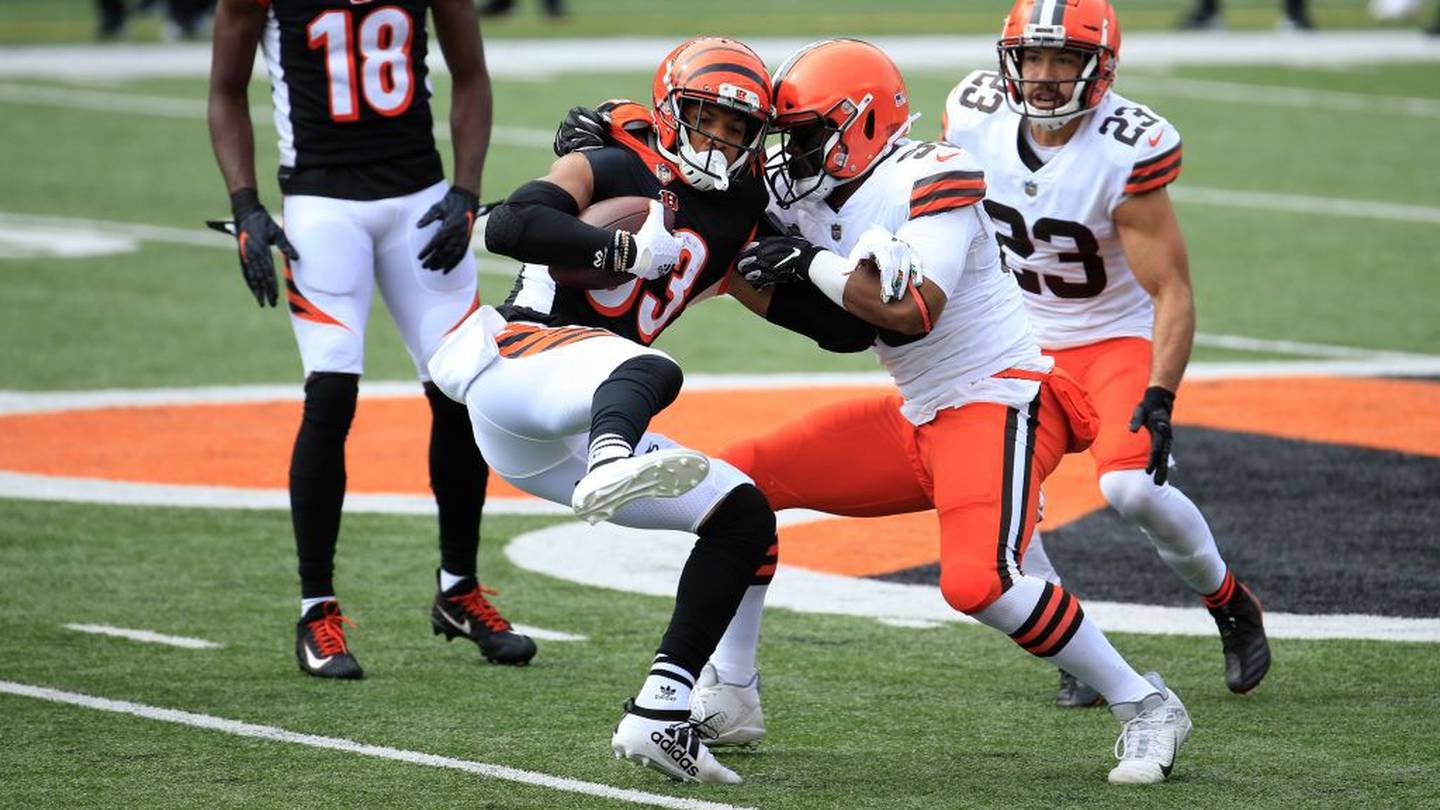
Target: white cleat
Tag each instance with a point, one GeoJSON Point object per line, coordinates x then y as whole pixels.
{"type": "Point", "coordinates": [1154, 729]}
{"type": "Point", "coordinates": [727, 713]}
{"type": "Point", "coordinates": [672, 747]}
{"type": "Point", "coordinates": [661, 474]}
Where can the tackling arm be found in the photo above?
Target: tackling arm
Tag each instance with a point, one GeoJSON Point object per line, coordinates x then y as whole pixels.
{"type": "Point", "coordinates": [1155, 248]}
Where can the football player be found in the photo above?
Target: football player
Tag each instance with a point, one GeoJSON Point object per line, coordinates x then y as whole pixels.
{"type": "Point", "coordinates": [981, 416]}
{"type": "Point", "coordinates": [365, 205]}
{"type": "Point", "coordinates": [1077, 180]}
{"type": "Point", "coordinates": [561, 381]}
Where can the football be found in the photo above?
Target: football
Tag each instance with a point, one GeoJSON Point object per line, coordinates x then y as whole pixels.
{"type": "Point", "coordinates": [625, 213]}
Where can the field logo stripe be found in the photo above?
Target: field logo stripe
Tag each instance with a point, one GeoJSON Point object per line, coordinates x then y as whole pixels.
{"type": "Point", "coordinates": [274, 734]}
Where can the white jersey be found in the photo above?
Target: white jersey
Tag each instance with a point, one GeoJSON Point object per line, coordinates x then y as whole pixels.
{"type": "Point", "coordinates": [925, 194]}
{"type": "Point", "coordinates": [1055, 220]}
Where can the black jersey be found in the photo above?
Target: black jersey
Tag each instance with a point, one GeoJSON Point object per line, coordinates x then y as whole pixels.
{"type": "Point", "coordinates": [352, 97]}
{"type": "Point", "coordinates": [713, 226]}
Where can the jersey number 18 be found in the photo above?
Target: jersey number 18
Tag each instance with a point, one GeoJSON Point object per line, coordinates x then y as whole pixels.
{"type": "Point", "coordinates": [384, 73]}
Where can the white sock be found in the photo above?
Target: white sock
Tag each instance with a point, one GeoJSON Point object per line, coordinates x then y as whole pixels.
{"type": "Point", "coordinates": [448, 580]}
{"type": "Point", "coordinates": [1173, 523]}
{"type": "Point", "coordinates": [1036, 562]}
{"type": "Point", "coordinates": [734, 656]}
{"type": "Point", "coordinates": [306, 604]}
{"type": "Point", "coordinates": [1088, 654]}
{"type": "Point", "coordinates": [607, 447]}
{"type": "Point", "coordinates": [666, 688]}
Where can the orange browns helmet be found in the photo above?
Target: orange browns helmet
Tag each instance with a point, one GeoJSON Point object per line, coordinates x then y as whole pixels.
{"type": "Point", "coordinates": [710, 70]}
{"type": "Point", "coordinates": [1087, 26]}
{"type": "Point", "coordinates": [839, 104]}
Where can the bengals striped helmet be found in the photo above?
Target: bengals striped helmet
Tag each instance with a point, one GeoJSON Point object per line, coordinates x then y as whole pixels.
{"type": "Point", "coordinates": [710, 71]}
{"type": "Point", "coordinates": [1087, 27]}
{"type": "Point", "coordinates": [839, 104]}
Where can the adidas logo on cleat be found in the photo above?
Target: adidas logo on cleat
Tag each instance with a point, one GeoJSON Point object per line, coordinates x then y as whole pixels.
{"type": "Point", "coordinates": [676, 752]}
{"type": "Point", "coordinates": [667, 692]}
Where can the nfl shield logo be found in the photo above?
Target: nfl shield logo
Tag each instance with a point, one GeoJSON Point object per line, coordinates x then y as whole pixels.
{"type": "Point", "coordinates": [835, 232]}
{"type": "Point", "coordinates": [1031, 188]}
{"type": "Point", "coordinates": [663, 174]}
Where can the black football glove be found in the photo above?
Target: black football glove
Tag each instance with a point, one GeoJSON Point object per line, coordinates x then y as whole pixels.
{"type": "Point", "coordinates": [1153, 412]}
{"type": "Point", "coordinates": [255, 231]}
{"type": "Point", "coordinates": [456, 212]}
{"type": "Point", "coordinates": [776, 260]}
{"type": "Point", "coordinates": [583, 128]}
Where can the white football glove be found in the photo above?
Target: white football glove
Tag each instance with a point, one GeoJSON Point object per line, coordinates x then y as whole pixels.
{"type": "Point", "coordinates": [899, 264]}
{"type": "Point", "coordinates": [657, 251]}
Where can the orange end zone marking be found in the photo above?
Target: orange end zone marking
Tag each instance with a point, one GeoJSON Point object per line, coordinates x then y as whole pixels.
{"type": "Point", "coordinates": [248, 445]}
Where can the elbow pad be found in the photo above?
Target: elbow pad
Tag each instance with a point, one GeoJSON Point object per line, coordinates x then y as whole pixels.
{"type": "Point", "coordinates": [539, 223]}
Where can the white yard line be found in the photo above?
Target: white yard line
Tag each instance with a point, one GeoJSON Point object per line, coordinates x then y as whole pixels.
{"type": "Point", "coordinates": [194, 110]}
{"type": "Point", "coordinates": [547, 635]}
{"type": "Point", "coordinates": [1277, 96]}
{"type": "Point", "coordinates": [274, 734]}
{"type": "Point", "coordinates": [148, 636]}
{"type": "Point", "coordinates": [1305, 204]}
{"type": "Point", "coordinates": [33, 487]}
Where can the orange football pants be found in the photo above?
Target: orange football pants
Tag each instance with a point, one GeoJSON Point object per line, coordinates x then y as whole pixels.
{"type": "Point", "coordinates": [979, 466]}
{"type": "Point", "coordinates": [1115, 373]}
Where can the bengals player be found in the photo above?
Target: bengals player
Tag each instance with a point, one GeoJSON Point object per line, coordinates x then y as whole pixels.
{"type": "Point", "coordinates": [981, 416]}
{"type": "Point", "coordinates": [1077, 188]}
{"type": "Point", "coordinates": [366, 207]}
{"type": "Point", "coordinates": [562, 382]}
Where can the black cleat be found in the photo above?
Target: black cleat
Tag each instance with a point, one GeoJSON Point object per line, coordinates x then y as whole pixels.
{"type": "Point", "coordinates": [1242, 635]}
{"type": "Point", "coordinates": [463, 611]}
{"type": "Point", "coordinates": [320, 646]}
{"type": "Point", "coordinates": [1075, 693]}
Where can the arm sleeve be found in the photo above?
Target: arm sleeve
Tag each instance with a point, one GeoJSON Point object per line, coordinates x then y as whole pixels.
{"type": "Point", "coordinates": [803, 309]}
{"type": "Point", "coordinates": [539, 224]}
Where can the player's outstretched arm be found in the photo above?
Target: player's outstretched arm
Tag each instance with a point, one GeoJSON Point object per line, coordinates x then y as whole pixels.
{"type": "Point", "coordinates": [803, 309]}
{"type": "Point", "coordinates": [1155, 248]}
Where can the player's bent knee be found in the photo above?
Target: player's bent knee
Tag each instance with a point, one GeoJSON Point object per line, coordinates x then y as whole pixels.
{"type": "Point", "coordinates": [969, 590]}
{"type": "Point", "coordinates": [656, 373]}
{"type": "Point", "coordinates": [744, 518]}
{"type": "Point", "coordinates": [1129, 491]}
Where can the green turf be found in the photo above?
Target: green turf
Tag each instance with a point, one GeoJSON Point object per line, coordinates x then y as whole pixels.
{"type": "Point", "coordinates": [860, 714]}
{"type": "Point", "coordinates": [30, 21]}
{"type": "Point", "coordinates": [161, 316]}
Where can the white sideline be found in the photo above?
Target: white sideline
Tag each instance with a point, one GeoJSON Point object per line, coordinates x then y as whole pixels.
{"type": "Point", "coordinates": [148, 636]}
{"type": "Point", "coordinates": [274, 734]}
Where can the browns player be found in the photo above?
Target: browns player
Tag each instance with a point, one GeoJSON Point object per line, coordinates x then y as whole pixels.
{"type": "Point", "coordinates": [1077, 186]}
{"type": "Point", "coordinates": [365, 205]}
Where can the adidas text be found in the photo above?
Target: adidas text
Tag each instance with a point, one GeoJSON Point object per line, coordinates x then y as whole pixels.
{"type": "Point", "coordinates": [679, 756]}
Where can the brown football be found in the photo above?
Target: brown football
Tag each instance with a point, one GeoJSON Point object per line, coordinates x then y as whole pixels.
{"type": "Point", "coordinates": [624, 213]}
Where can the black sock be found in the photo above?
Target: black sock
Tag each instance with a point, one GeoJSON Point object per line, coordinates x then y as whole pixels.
{"type": "Point", "coordinates": [457, 477]}
{"type": "Point", "coordinates": [623, 405]}
{"type": "Point", "coordinates": [317, 477]}
{"type": "Point", "coordinates": [733, 542]}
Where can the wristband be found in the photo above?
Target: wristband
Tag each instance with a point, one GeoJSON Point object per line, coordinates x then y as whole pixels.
{"type": "Point", "coordinates": [830, 272]}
